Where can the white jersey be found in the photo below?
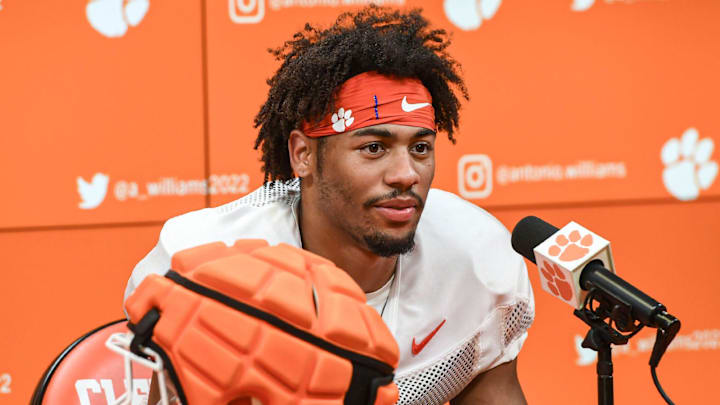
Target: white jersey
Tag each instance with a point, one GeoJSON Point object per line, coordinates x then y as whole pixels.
{"type": "Point", "coordinates": [460, 302]}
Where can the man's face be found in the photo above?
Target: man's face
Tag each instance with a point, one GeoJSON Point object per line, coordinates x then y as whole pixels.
{"type": "Point", "coordinates": [372, 184]}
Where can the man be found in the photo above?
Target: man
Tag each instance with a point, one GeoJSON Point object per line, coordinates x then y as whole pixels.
{"type": "Point", "coordinates": [348, 134]}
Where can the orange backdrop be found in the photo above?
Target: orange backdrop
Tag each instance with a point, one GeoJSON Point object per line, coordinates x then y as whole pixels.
{"type": "Point", "coordinates": [118, 114]}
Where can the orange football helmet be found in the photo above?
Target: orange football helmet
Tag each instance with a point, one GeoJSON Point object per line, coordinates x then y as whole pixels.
{"type": "Point", "coordinates": [277, 324]}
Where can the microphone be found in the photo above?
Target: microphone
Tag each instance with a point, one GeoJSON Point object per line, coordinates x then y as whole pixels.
{"type": "Point", "coordinates": [573, 260]}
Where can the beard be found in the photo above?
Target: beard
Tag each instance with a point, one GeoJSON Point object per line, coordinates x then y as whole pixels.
{"type": "Point", "coordinates": [334, 197]}
{"type": "Point", "coordinates": [387, 246]}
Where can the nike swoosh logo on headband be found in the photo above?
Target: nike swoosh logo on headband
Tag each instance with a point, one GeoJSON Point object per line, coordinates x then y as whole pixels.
{"type": "Point", "coordinates": [407, 107]}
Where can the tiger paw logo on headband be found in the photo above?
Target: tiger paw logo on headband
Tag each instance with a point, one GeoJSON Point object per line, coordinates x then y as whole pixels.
{"type": "Point", "coordinates": [342, 120]}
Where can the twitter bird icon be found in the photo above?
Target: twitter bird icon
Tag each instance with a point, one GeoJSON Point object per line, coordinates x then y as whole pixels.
{"type": "Point", "coordinates": [93, 193]}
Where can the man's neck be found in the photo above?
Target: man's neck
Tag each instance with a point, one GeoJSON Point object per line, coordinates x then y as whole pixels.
{"type": "Point", "coordinates": [321, 237]}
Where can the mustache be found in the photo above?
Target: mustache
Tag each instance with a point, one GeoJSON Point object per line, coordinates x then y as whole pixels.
{"type": "Point", "coordinates": [394, 194]}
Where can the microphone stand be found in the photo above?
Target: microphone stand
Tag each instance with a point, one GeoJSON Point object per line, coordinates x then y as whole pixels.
{"type": "Point", "coordinates": [602, 334]}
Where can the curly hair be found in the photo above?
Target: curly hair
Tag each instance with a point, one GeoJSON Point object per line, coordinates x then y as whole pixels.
{"type": "Point", "coordinates": [317, 61]}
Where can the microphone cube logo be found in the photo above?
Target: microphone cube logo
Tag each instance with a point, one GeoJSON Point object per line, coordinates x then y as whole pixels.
{"type": "Point", "coordinates": [475, 176]}
{"type": "Point", "coordinates": [562, 257]}
{"type": "Point", "coordinates": [557, 281]}
{"type": "Point", "coordinates": [247, 11]}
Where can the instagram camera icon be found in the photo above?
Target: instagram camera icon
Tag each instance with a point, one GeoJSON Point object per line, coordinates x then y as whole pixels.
{"type": "Point", "coordinates": [475, 176]}
{"type": "Point", "coordinates": [247, 11]}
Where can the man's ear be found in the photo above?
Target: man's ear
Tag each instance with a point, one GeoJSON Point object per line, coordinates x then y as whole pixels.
{"type": "Point", "coordinates": [301, 153]}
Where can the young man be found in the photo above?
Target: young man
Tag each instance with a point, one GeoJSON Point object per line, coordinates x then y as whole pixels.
{"type": "Point", "coordinates": [347, 135]}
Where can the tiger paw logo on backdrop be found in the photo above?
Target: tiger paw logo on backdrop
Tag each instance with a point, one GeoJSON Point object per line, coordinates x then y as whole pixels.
{"type": "Point", "coordinates": [585, 356]}
{"type": "Point", "coordinates": [468, 15]}
{"type": "Point", "coordinates": [584, 5]}
{"type": "Point", "coordinates": [112, 18]}
{"type": "Point", "coordinates": [581, 5]}
{"type": "Point", "coordinates": [92, 193]}
{"type": "Point", "coordinates": [688, 168]}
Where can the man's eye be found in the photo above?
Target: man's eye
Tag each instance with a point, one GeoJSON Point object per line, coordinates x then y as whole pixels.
{"type": "Point", "coordinates": [421, 148]}
{"type": "Point", "coordinates": [373, 148]}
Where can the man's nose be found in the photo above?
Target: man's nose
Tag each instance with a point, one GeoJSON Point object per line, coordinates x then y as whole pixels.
{"type": "Point", "coordinates": [402, 173]}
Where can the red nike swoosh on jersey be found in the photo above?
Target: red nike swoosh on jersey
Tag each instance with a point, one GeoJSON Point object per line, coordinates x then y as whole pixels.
{"type": "Point", "coordinates": [417, 348]}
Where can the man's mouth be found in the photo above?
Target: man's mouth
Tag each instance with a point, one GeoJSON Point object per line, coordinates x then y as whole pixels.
{"type": "Point", "coordinates": [397, 209]}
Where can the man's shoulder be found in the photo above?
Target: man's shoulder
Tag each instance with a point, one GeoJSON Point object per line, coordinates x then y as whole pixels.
{"type": "Point", "coordinates": [461, 247]}
{"type": "Point", "coordinates": [265, 213]}
{"type": "Point", "coordinates": [459, 221]}
{"type": "Point", "coordinates": [246, 217]}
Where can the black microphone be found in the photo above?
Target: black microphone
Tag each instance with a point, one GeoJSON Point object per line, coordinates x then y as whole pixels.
{"type": "Point", "coordinates": [532, 231]}
{"type": "Point", "coordinates": [572, 263]}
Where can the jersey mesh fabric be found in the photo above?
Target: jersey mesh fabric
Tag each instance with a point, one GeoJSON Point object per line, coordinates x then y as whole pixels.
{"type": "Point", "coordinates": [516, 319]}
{"type": "Point", "coordinates": [286, 192]}
{"type": "Point", "coordinates": [442, 380]}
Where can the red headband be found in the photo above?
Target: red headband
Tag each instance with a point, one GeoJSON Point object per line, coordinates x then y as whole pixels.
{"type": "Point", "coordinates": [371, 99]}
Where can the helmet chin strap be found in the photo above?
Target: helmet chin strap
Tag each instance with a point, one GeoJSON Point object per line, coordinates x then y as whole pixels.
{"type": "Point", "coordinates": [120, 343]}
